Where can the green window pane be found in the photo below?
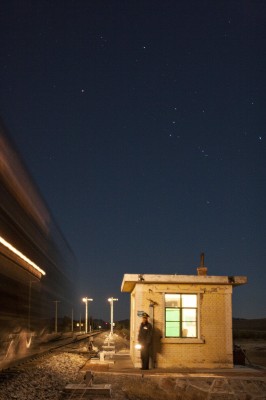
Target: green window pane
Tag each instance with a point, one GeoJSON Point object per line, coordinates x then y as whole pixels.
{"type": "Point", "coordinates": [172, 300]}
{"type": "Point", "coordinates": [172, 314]}
{"type": "Point", "coordinates": [189, 329]}
{"type": "Point", "coordinates": [189, 314]}
{"type": "Point", "coordinates": [172, 329]}
{"type": "Point", "coordinates": [189, 300]}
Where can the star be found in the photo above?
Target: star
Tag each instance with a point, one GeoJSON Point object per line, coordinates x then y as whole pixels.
{"type": "Point", "coordinates": [203, 151]}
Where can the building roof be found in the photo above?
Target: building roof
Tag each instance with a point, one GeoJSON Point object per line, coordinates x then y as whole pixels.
{"type": "Point", "coordinates": [130, 280]}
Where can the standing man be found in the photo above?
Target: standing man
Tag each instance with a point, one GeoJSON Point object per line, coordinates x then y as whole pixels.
{"type": "Point", "coordinates": [145, 339]}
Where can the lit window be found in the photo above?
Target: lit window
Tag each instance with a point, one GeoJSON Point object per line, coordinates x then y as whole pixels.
{"type": "Point", "coordinates": [181, 312]}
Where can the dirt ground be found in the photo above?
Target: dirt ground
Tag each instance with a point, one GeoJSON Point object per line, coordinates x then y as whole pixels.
{"type": "Point", "coordinates": [255, 350]}
{"type": "Point", "coordinates": [140, 387]}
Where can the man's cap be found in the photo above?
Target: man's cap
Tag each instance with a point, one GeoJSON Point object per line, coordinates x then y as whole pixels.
{"type": "Point", "coordinates": [145, 315]}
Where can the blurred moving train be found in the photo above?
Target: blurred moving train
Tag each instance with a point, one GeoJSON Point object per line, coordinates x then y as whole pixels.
{"type": "Point", "coordinates": [37, 266]}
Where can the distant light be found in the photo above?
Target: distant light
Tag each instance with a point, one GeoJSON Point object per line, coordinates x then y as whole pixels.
{"type": "Point", "coordinates": [21, 255]}
{"type": "Point", "coordinates": [138, 346]}
{"type": "Point", "coordinates": [86, 299]}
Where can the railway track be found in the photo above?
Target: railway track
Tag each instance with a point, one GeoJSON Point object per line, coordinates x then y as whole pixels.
{"type": "Point", "coordinates": [10, 369]}
{"type": "Point", "coordinates": [47, 375]}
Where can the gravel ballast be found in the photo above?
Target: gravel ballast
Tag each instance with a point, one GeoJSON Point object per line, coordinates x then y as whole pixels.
{"type": "Point", "coordinates": [45, 380]}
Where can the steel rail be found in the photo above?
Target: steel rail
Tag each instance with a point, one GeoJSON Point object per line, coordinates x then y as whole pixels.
{"type": "Point", "coordinates": [10, 368]}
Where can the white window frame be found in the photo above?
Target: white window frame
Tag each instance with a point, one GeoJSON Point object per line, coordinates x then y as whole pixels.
{"type": "Point", "coordinates": [183, 340]}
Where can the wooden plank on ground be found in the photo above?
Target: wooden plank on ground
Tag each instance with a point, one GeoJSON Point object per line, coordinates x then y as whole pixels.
{"type": "Point", "coordinates": [94, 390]}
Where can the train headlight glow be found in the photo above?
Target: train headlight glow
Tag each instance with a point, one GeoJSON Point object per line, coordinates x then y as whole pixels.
{"type": "Point", "coordinates": [21, 255]}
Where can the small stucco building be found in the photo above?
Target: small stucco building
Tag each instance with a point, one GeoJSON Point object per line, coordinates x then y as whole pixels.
{"type": "Point", "coordinates": [191, 317]}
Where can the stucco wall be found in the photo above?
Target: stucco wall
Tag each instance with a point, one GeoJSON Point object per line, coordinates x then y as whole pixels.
{"type": "Point", "coordinates": [212, 348]}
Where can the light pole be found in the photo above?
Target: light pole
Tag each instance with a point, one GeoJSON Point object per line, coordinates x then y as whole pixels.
{"type": "Point", "coordinates": [72, 319]}
{"type": "Point", "coordinates": [111, 301]}
{"type": "Point", "coordinates": [86, 299]}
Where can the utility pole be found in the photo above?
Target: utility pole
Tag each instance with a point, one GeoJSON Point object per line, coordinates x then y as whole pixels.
{"type": "Point", "coordinates": [72, 320]}
{"type": "Point", "coordinates": [55, 320]}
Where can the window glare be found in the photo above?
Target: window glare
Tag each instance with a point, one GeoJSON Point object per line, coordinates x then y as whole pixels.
{"type": "Point", "coordinates": [189, 329]}
{"type": "Point", "coordinates": [189, 315]}
{"type": "Point", "coordinates": [172, 300]}
{"type": "Point", "coordinates": [189, 300]}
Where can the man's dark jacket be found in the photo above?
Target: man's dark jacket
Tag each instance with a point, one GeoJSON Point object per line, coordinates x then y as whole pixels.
{"type": "Point", "coordinates": [145, 334]}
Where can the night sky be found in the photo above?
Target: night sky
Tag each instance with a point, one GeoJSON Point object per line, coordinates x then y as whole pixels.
{"type": "Point", "coordinates": [144, 125]}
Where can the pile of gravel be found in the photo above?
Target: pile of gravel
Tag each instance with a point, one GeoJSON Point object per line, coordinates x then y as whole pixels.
{"type": "Point", "coordinates": [47, 380]}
